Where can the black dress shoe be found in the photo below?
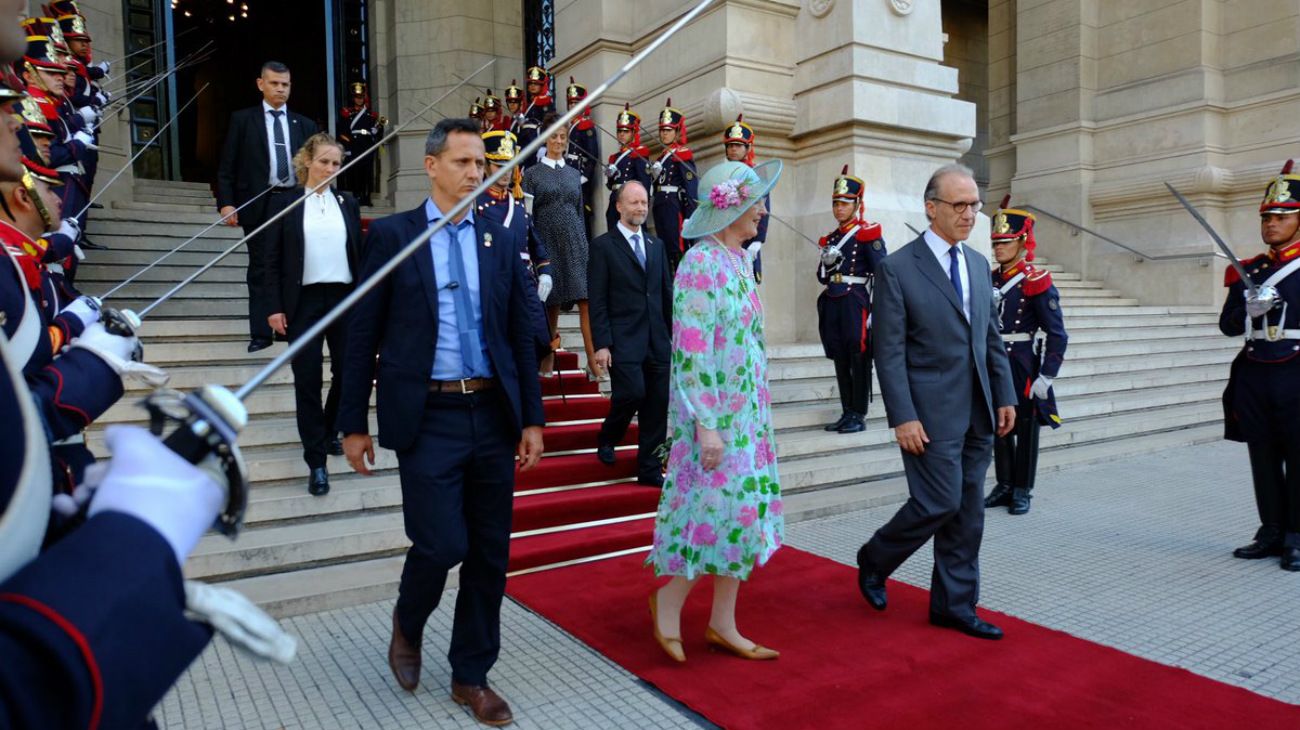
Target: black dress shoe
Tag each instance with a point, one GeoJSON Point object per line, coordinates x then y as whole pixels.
{"type": "Point", "coordinates": [1291, 559]}
{"type": "Point", "coordinates": [89, 245]}
{"type": "Point", "coordinates": [1019, 501]}
{"type": "Point", "coordinates": [257, 344]}
{"type": "Point", "coordinates": [1267, 544]}
{"type": "Point", "coordinates": [972, 626]}
{"type": "Point", "coordinates": [651, 480]}
{"type": "Point", "coordinates": [335, 447]}
{"type": "Point", "coordinates": [999, 497]}
{"type": "Point", "coordinates": [853, 424]}
{"type": "Point", "coordinates": [836, 426]}
{"type": "Point", "coordinates": [870, 582]}
{"type": "Point", "coordinates": [605, 452]}
{"type": "Point", "coordinates": [318, 484]}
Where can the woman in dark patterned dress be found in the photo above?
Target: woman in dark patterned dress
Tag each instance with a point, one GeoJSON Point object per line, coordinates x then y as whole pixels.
{"type": "Point", "coordinates": [556, 188]}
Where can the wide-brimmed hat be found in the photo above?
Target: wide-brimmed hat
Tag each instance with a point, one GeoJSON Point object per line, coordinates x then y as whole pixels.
{"type": "Point", "coordinates": [726, 191]}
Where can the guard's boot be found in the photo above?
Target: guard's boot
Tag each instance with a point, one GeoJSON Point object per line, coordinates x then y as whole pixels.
{"type": "Point", "coordinates": [999, 497]}
{"type": "Point", "coordinates": [836, 426]}
{"type": "Point", "coordinates": [1019, 501]}
{"type": "Point", "coordinates": [1267, 544]}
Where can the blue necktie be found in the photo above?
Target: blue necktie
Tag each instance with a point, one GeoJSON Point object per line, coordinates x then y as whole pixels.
{"type": "Point", "coordinates": [281, 148]}
{"type": "Point", "coordinates": [471, 353]}
{"type": "Point", "coordinates": [636, 248]}
{"type": "Point", "coordinates": [954, 273]}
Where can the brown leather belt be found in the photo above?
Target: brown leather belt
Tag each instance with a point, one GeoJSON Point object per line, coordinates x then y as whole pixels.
{"type": "Point", "coordinates": [468, 385]}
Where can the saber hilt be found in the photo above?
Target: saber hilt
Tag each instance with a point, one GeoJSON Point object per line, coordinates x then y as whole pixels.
{"type": "Point", "coordinates": [207, 423]}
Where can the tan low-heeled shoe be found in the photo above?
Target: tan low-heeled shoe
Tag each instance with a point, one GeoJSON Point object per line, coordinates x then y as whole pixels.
{"type": "Point", "coordinates": [758, 653]}
{"type": "Point", "coordinates": [672, 646]}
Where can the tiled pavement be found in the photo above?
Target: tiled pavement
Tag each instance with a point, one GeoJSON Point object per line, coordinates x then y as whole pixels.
{"type": "Point", "coordinates": [1134, 554]}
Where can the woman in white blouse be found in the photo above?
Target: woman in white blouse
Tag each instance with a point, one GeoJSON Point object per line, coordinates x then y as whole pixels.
{"type": "Point", "coordinates": [313, 255]}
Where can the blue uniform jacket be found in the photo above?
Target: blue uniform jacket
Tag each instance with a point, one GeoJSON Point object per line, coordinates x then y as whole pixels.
{"type": "Point", "coordinates": [1029, 306]}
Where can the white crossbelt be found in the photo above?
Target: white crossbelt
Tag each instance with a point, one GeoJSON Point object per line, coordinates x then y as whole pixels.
{"type": "Point", "coordinates": [1277, 335]}
{"type": "Point", "coordinates": [76, 438]}
{"type": "Point", "coordinates": [667, 189]}
{"type": "Point", "coordinates": [1011, 283]}
{"type": "Point", "coordinates": [852, 280]}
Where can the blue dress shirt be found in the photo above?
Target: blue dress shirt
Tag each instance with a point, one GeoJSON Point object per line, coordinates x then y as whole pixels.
{"type": "Point", "coordinates": [447, 361]}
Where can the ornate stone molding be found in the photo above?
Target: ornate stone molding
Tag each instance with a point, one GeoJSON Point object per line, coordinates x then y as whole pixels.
{"type": "Point", "coordinates": [820, 8]}
{"type": "Point", "coordinates": [902, 7]}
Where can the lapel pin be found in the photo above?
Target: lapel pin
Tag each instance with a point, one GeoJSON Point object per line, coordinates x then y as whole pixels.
{"type": "Point", "coordinates": [487, 240]}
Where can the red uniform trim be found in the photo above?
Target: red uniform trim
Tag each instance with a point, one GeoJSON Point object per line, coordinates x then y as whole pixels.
{"type": "Point", "coordinates": [868, 232]}
{"type": "Point", "coordinates": [862, 339]}
{"type": "Point", "coordinates": [58, 397]}
{"type": "Point", "coordinates": [1230, 276]}
{"type": "Point", "coordinates": [683, 153]}
{"type": "Point", "coordinates": [1036, 282]}
{"type": "Point", "coordinates": [584, 123]}
{"type": "Point", "coordinates": [92, 666]}
{"type": "Point", "coordinates": [1286, 253]}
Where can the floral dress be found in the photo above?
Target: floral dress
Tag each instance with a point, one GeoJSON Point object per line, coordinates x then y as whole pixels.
{"type": "Point", "coordinates": [726, 520]}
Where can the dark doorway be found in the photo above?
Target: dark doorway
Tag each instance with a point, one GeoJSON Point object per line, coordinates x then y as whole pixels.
{"type": "Point", "coordinates": [294, 32]}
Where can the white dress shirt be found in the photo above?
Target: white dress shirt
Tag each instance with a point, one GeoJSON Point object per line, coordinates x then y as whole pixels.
{"type": "Point", "coordinates": [940, 249]}
{"type": "Point", "coordinates": [553, 164]}
{"type": "Point", "coordinates": [324, 241]}
{"type": "Point", "coordinates": [271, 179]}
{"type": "Point", "coordinates": [627, 236]}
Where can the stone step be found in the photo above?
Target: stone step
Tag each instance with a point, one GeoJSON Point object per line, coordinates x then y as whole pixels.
{"type": "Point", "coordinates": [149, 215]}
{"type": "Point", "coordinates": [167, 273]}
{"type": "Point", "coordinates": [164, 206]}
{"type": "Point", "coordinates": [180, 202]}
{"type": "Point", "coordinates": [117, 264]}
{"type": "Point", "coordinates": [178, 185]}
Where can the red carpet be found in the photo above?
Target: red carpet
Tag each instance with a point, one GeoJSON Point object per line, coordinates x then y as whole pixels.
{"type": "Point", "coordinates": [844, 665]}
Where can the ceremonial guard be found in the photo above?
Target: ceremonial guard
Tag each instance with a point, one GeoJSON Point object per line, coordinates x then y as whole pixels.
{"type": "Point", "coordinates": [1261, 403]}
{"type": "Point", "coordinates": [359, 129]}
{"type": "Point", "coordinates": [584, 149]}
{"type": "Point", "coordinates": [849, 256]}
{"type": "Point", "coordinates": [631, 162]}
{"type": "Point", "coordinates": [537, 81]}
{"type": "Point", "coordinates": [476, 113]}
{"type": "Point", "coordinates": [675, 183]}
{"type": "Point", "coordinates": [1033, 331]}
{"type": "Point", "coordinates": [494, 117]}
{"type": "Point", "coordinates": [514, 116]}
{"type": "Point", "coordinates": [738, 142]}
{"type": "Point", "coordinates": [504, 204]}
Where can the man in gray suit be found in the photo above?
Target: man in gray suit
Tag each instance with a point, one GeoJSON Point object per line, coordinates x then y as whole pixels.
{"type": "Point", "coordinates": [947, 388]}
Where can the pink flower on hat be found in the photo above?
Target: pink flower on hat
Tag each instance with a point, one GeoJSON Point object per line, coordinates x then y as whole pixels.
{"type": "Point", "coordinates": [728, 194]}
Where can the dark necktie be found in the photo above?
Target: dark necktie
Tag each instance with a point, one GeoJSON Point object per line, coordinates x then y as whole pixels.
{"type": "Point", "coordinates": [281, 148]}
{"type": "Point", "coordinates": [636, 248]}
{"type": "Point", "coordinates": [471, 351]}
{"type": "Point", "coordinates": [954, 273]}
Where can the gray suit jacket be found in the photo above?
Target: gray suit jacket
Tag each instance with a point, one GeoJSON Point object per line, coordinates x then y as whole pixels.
{"type": "Point", "coordinates": [925, 349]}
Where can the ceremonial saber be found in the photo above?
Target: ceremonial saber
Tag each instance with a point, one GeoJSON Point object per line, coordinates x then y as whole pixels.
{"type": "Point", "coordinates": [114, 108]}
{"type": "Point", "coordinates": [144, 147]}
{"type": "Point", "coordinates": [303, 340]}
{"type": "Point", "coordinates": [127, 82]}
{"type": "Point", "coordinates": [114, 59]}
{"type": "Point", "coordinates": [219, 221]}
{"type": "Point", "coordinates": [911, 228]}
{"type": "Point", "coordinates": [1232, 257]}
{"type": "Point", "coordinates": [267, 223]}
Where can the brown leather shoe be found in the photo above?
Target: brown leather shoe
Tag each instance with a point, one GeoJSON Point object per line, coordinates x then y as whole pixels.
{"type": "Point", "coordinates": [404, 658]}
{"type": "Point", "coordinates": [487, 706]}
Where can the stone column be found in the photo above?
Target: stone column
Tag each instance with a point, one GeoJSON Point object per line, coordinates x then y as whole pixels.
{"type": "Point", "coordinates": [422, 49]}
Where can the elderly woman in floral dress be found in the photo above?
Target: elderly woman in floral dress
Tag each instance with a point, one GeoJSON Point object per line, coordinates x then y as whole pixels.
{"type": "Point", "coordinates": [720, 512]}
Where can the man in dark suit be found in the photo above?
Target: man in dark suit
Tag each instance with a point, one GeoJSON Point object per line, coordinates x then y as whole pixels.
{"type": "Point", "coordinates": [947, 388]}
{"type": "Point", "coordinates": [458, 399]}
{"type": "Point", "coordinates": [260, 145]}
{"type": "Point", "coordinates": [631, 297]}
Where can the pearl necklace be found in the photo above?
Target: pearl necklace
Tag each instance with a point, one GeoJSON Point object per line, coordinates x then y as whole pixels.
{"type": "Point", "coordinates": [744, 272]}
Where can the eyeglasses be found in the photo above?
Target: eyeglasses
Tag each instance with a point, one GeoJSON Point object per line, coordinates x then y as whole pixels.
{"type": "Point", "coordinates": [973, 205]}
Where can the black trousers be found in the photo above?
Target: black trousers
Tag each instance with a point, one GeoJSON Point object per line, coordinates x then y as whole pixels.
{"type": "Point", "coordinates": [316, 422]}
{"type": "Point", "coordinates": [359, 179]}
{"type": "Point", "coordinates": [458, 482]}
{"type": "Point", "coordinates": [1275, 466]}
{"type": "Point", "coordinates": [853, 375]}
{"type": "Point", "coordinates": [639, 389]}
{"type": "Point", "coordinates": [251, 218]}
{"type": "Point", "coordinates": [1015, 456]}
{"type": "Point", "coordinates": [946, 501]}
{"type": "Point", "coordinates": [666, 210]}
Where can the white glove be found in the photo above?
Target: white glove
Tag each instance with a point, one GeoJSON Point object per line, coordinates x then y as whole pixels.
{"type": "Point", "coordinates": [70, 228]}
{"type": "Point", "coordinates": [152, 483]}
{"type": "Point", "coordinates": [102, 66]}
{"type": "Point", "coordinates": [239, 620]}
{"type": "Point", "coordinates": [85, 309]}
{"type": "Point", "coordinates": [83, 137]}
{"type": "Point", "coordinates": [544, 284]}
{"type": "Point", "coordinates": [90, 114]}
{"type": "Point", "coordinates": [584, 179]}
{"type": "Point", "coordinates": [1264, 299]}
{"type": "Point", "coordinates": [831, 257]}
{"type": "Point", "coordinates": [122, 354]}
{"type": "Point", "coordinates": [611, 171]}
{"type": "Point", "coordinates": [1040, 386]}
{"type": "Point", "coordinates": [754, 248]}
{"type": "Point", "coordinates": [76, 251]}
{"type": "Point", "coordinates": [656, 167]}
{"type": "Point", "coordinates": [103, 96]}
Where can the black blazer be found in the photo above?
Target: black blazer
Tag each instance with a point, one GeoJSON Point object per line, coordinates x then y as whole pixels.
{"type": "Point", "coordinates": [285, 250]}
{"type": "Point", "coordinates": [245, 160]}
{"type": "Point", "coordinates": [398, 321]}
{"type": "Point", "coordinates": [631, 309]}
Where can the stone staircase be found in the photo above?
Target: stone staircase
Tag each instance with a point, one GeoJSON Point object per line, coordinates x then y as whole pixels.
{"type": "Point", "coordinates": [1136, 379]}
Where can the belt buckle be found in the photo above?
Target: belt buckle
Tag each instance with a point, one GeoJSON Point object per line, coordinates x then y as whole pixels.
{"type": "Point", "coordinates": [1273, 334]}
{"type": "Point", "coordinates": [837, 278]}
{"type": "Point", "coordinates": [463, 389]}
